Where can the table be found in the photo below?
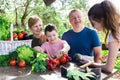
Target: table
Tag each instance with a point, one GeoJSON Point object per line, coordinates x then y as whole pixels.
{"type": "Point", "coordinates": [16, 73]}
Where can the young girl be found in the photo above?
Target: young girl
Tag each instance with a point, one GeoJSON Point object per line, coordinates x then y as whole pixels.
{"type": "Point", "coordinates": [35, 25]}
{"type": "Point", "coordinates": [104, 16]}
{"type": "Point", "coordinates": [54, 46]}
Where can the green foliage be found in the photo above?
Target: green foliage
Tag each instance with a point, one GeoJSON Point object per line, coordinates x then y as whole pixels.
{"type": "Point", "coordinates": [80, 4]}
{"type": "Point", "coordinates": [104, 52]}
{"type": "Point", "coordinates": [61, 30]}
{"type": "Point", "coordinates": [4, 28]}
{"type": "Point", "coordinates": [50, 15]}
{"type": "Point", "coordinates": [117, 64]}
{"type": "Point", "coordinates": [4, 60]}
{"type": "Point", "coordinates": [13, 55]}
{"type": "Point", "coordinates": [39, 66]}
{"type": "Point", "coordinates": [42, 56]}
{"type": "Point", "coordinates": [101, 36]}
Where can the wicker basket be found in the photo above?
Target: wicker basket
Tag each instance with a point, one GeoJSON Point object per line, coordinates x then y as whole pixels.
{"type": "Point", "coordinates": [9, 46]}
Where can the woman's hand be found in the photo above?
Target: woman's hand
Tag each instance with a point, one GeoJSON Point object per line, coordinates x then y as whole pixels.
{"type": "Point", "coordinates": [38, 48]}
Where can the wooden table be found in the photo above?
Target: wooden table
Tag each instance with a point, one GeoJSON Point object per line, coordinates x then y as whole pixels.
{"type": "Point", "coordinates": [16, 73]}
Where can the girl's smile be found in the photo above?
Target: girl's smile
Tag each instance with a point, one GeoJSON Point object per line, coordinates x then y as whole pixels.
{"type": "Point", "coordinates": [52, 36]}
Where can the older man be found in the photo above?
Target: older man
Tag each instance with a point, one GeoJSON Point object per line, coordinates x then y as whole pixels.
{"type": "Point", "coordinates": [82, 39]}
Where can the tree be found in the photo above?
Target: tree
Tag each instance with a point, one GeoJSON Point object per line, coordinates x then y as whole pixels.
{"type": "Point", "coordinates": [25, 13]}
{"type": "Point", "coordinates": [22, 9]}
{"type": "Point", "coordinates": [2, 6]}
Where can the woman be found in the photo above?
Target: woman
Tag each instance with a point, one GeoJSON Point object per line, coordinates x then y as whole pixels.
{"type": "Point", "coordinates": [35, 25]}
{"type": "Point", "coordinates": [104, 16]}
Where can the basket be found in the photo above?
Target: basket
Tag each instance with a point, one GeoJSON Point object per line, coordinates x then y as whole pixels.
{"type": "Point", "coordinates": [9, 46]}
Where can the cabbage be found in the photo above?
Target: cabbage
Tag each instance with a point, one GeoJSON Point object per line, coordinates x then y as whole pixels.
{"type": "Point", "coordinates": [25, 53]}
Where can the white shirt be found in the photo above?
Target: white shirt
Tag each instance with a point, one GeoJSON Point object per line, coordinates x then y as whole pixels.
{"type": "Point", "coordinates": [111, 38]}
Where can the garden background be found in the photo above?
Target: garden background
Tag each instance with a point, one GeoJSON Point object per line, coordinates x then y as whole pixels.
{"type": "Point", "coordinates": [17, 12]}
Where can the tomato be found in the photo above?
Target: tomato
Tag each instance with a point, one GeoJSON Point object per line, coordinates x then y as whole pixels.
{"type": "Point", "coordinates": [14, 35]}
{"type": "Point", "coordinates": [57, 61]}
{"type": "Point", "coordinates": [63, 59]}
{"type": "Point", "coordinates": [20, 36]}
{"type": "Point", "coordinates": [22, 63]}
{"type": "Point", "coordinates": [12, 62]}
{"type": "Point", "coordinates": [23, 32]}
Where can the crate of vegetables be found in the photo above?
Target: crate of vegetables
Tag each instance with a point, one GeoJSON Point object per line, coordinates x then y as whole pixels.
{"type": "Point", "coordinates": [15, 40]}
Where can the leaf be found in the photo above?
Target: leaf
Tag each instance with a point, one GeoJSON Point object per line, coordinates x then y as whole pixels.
{"type": "Point", "coordinates": [90, 74]}
{"type": "Point", "coordinates": [76, 74]}
{"type": "Point", "coordinates": [75, 77]}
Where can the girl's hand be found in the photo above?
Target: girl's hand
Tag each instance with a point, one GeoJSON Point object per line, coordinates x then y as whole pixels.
{"type": "Point", "coordinates": [59, 53]}
{"type": "Point", "coordinates": [62, 52]}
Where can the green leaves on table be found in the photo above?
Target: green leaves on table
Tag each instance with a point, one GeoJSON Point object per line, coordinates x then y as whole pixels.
{"type": "Point", "coordinates": [76, 74]}
{"type": "Point", "coordinates": [39, 63]}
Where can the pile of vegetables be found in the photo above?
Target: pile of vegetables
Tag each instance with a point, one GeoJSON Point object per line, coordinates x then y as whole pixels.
{"type": "Point", "coordinates": [5, 59]}
{"type": "Point", "coordinates": [21, 34]}
{"type": "Point", "coordinates": [39, 62]}
{"type": "Point", "coordinates": [25, 55]}
{"type": "Point", "coordinates": [53, 63]}
{"type": "Point", "coordinates": [21, 54]}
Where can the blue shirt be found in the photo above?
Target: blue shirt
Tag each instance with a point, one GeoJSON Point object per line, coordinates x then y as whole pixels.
{"type": "Point", "coordinates": [82, 42]}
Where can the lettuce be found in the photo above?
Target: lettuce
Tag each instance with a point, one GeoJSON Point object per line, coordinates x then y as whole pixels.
{"type": "Point", "coordinates": [25, 53]}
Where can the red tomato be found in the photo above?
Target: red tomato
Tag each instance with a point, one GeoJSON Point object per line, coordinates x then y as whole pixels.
{"type": "Point", "coordinates": [63, 59]}
{"type": "Point", "coordinates": [20, 36]}
{"type": "Point", "coordinates": [57, 61]}
{"type": "Point", "coordinates": [14, 35]}
{"type": "Point", "coordinates": [23, 32]}
{"type": "Point", "coordinates": [21, 63]}
{"type": "Point", "coordinates": [12, 62]}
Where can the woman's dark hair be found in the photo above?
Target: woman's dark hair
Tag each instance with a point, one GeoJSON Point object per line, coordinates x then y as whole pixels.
{"type": "Point", "coordinates": [50, 27]}
{"type": "Point", "coordinates": [106, 11]}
